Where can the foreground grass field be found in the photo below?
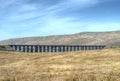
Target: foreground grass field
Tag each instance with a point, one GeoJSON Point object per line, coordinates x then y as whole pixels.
{"type": "Point", "coordinates": [101, 65]}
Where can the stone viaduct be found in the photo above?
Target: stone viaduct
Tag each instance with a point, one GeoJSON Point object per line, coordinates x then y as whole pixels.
{"type": "Point", "coordinates": [54, 48]}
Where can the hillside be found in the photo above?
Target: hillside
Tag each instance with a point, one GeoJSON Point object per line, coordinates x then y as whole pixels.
{"type": "Point", "coordinates": [84, 38]}
{"type": "Point", "coordinates": [5, 48]}
{"type": "Point", "coordinates": [102, 65]}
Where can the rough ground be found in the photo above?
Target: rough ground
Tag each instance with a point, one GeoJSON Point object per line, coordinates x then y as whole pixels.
{"type": "Point", "coordinates": [100, 65]}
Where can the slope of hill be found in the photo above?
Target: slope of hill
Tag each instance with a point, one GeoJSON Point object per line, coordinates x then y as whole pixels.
{"type": "Point", "coordinates": [84, 38]}
{"type": "Point", "coordinates": [5, 48]}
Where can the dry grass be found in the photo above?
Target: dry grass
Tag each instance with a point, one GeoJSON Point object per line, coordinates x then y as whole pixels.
{"type": "Point", "coordinates": [102, 65]}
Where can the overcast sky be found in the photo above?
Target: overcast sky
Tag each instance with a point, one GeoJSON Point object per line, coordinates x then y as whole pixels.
{"type": "Point", "coordinates": [25, 18]}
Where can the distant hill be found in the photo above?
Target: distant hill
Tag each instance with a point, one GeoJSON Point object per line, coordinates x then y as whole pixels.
{"type": "Point", "coordinates": [84, 38]}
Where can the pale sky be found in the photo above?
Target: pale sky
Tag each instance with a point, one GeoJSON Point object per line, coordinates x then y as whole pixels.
{"type": "Point", "coordinates": [26, 18]}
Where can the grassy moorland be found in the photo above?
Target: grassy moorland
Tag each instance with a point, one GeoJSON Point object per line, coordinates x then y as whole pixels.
{"type": "Point", "coordinates": [84, 38]}
{"type": "Point", "coordinates": [101, 65]}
